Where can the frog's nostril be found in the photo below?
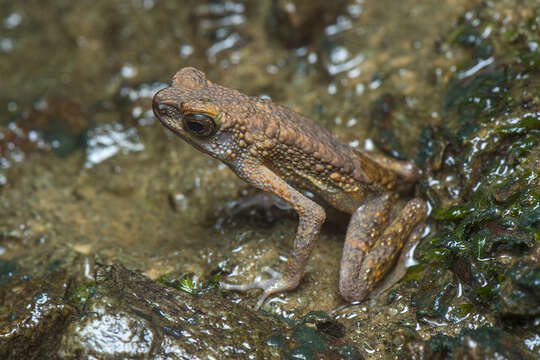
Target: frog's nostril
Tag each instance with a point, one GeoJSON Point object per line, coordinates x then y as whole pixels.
{"type": "Point", "coordinates": [161, 109]}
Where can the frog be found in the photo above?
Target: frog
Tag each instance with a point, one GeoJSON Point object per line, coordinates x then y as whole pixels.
{"type": "Point", "coordinates": [279, 151]}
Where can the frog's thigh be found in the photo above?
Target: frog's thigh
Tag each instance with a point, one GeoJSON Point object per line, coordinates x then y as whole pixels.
{"type": "Point", "coordinates": [368, 254]}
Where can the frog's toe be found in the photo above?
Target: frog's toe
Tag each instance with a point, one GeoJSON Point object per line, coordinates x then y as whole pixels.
{"type": "Point", "coordinates": [258, 283]}
{"type": "Point", "coordinates": [273, 273]}
{"type": "Point", "coordinates": [269, 286]}
{"type": "Point", "coordinates": [240, 287]}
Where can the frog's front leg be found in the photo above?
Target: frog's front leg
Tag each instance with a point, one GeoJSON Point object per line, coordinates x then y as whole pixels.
{"type": "Point", "coordinates": [371, 248]}
{"type": "Point", "coordinates": [311, 217]}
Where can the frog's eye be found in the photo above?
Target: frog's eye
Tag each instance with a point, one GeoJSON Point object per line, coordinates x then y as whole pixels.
{"type": "Point", "coordinates": [199, 124]}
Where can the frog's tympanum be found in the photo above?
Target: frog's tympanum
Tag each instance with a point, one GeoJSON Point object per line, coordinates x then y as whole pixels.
{"type": "Point", "coordinates": [277, 150]}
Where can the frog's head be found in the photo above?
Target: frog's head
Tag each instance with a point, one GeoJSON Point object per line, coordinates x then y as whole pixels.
{"type": "Point", "coordinates": [197, 110]}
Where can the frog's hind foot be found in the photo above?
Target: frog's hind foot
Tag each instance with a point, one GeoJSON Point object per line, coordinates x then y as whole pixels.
{"type": "Point", "coordinates": [269, 286]}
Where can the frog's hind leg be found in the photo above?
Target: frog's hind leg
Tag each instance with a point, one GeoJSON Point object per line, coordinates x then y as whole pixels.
{"type": "Point", "coordinates": [364, 229]}
{"type": "Point", "coordinates": [370, 249]}
{"type": "Point", "coordinates": [400, 267]}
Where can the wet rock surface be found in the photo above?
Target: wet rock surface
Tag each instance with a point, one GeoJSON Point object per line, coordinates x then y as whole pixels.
{"type": "Point", "coordinates": [129, 315]}
{"type": "Point", "coordinates": [88, 177]}
{"type": "Point", "coordinates": [123, 314]}
{"type": "Point", "coordinates": [33, 315]}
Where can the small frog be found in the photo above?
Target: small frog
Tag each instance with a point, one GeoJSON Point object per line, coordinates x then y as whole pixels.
{"type": "Point", "coordinates": [279, 151]}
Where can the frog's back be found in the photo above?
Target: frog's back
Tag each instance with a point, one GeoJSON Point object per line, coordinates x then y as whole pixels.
{"type": "Point", "coordinates": [312, 151]}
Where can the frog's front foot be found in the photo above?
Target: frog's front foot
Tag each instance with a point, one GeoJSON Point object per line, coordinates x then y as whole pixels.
{"type": "Point", "coordinates": [277, 283]}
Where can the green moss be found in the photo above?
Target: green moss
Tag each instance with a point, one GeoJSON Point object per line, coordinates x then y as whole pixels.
{"type": "Point", "coordinates": [478, 97]}
{"type": "Point", "coordinates": [184, 283]}
{"type": "Point", "coordinates": [415, 272]}
{"type": "Point", "coordinates": [462, 310]}
{"type": "Point", "coordinates": [187, 283]}
{"type": "Point", "coordinates": [80, 294]}
{"type": "Point", "coordinates": [456, 212]}
{"type": "Point", "coordinates": [522, 126]}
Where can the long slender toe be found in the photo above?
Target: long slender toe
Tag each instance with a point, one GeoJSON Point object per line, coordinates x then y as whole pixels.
{"type": "Point", "coordinates": [269, 286]}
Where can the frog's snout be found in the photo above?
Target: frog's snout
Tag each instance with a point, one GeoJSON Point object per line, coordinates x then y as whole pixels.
{"type": "Point", "coordinates": [159, 109]}
{"type": "Point", "coordinates": [155, 103]}
{"type": "Point", "coordinates": [160, 106]}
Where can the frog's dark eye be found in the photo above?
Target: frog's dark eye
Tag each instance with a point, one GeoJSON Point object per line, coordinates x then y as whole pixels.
{"type": "Point", "coordinates": [199, 124]}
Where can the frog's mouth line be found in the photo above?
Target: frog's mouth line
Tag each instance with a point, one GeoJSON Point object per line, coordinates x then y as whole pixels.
{"type": "Point", "coordinates": [172, 125]}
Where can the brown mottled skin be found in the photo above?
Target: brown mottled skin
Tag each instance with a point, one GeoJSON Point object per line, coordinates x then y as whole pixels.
{"type": "Point", "coordinates": [278, 150]}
